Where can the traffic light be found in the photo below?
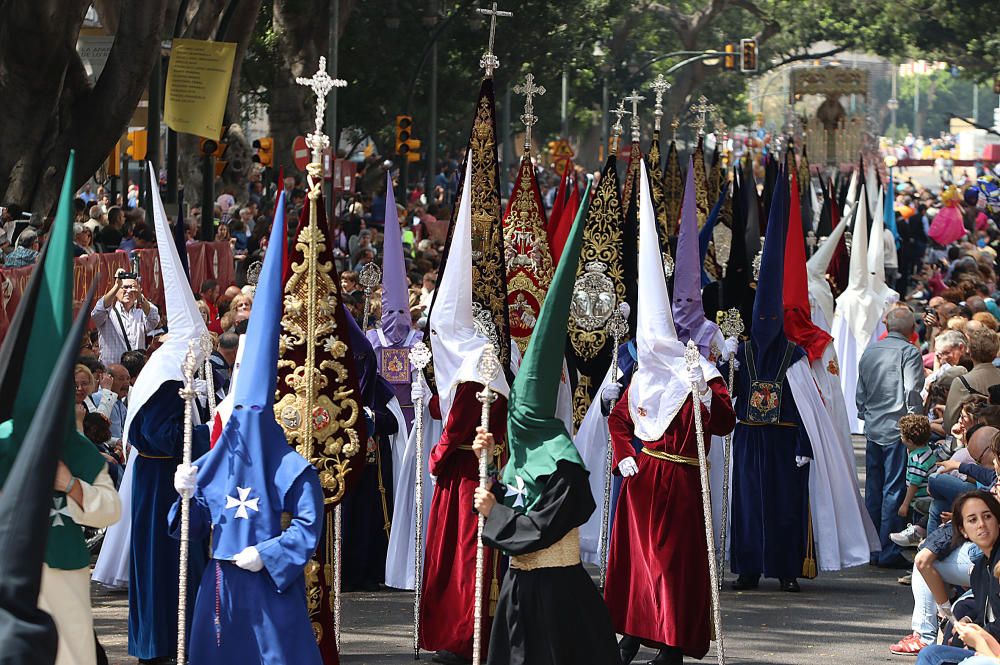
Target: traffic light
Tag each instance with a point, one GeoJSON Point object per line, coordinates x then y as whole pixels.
{"type": "Point", "coordinates": [137, 145]}
{"type": "Point", "coordinates": [265, 151]}
{"type": "Point", "coordinates": [113, 163]}
{"type": "Point", "coordinates": [405, 144]}
{"type": "Point", "coordinates": [729, 60]}
{"type": "Point", "coordinates": [748, 47]}
{"type": "Point", "coordinates": [209, 147]}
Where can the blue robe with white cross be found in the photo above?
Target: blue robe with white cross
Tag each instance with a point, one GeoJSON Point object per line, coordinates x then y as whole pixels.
{"type": "Point", "coordinates": [260, 617]}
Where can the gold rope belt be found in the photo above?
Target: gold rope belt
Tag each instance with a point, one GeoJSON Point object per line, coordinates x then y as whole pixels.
{"type": "Point", "coordinates": [162, 457]}
{"type": "Point", "coordinates": [750, 423]}
{"type": "Point", "coordinates": [668, 457]}
{"type": "Point", "coordinates": [563, 554]}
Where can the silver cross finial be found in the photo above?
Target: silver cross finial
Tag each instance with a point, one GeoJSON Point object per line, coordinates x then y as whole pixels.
{"type": "Point", "coordinates": [321, 84]}
{"type": "Point", "coordinates": [635, 98]}
{"type": "Point", "coordinates": [701, 109]}
{"type": "Point", "coordinates": [529, 90]}
{"type": "Point", "coordinates": [674, 124]}
{"type": "Point", "coordinates": [489, 61]}
{"type": "Point", "coordinates": [659, 86]}
{"type": "Point", "coordinates": [616, 129]}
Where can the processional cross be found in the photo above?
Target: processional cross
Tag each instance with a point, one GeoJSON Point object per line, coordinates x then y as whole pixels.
{"type": "Point", "coordinates": [635, 98]}
{"type": "Point", "coordinates": [489, 61]}
{"type": "Point", "coordinates": [529, 90]}
{"type": "Point", "coordinates": [658, 86]}
{"type": "Point", "coordinates": [321, 84]}
{"type": "Point", "coordinates": [616, 129]}
{"type": "Point", "coordinates": [701, 109]}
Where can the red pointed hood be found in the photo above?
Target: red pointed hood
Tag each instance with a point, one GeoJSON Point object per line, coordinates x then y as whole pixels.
{"type": "Point", "coordinates": [799, 327]}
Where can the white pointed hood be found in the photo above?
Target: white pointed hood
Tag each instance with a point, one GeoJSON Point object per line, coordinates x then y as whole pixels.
{"type": "Point", "coordinates": [876, 257]}
{"type": "Point", "coordinates": [851, 202]}
{"type": "Point", "coordinates": [858, 303]}
{"type": "Point", "coordinates": [183, 318]}
{"type": "Point", "coordinates": [659, 387]}
{"type": "Point", "coordinates": [818, 264]}
{"type": "Point", "coordinates": [455, 344]}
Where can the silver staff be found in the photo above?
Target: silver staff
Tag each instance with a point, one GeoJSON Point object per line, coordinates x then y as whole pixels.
{"type": "Point", "coordinates": [488, 370]}
{"type": "Point", "coordinates": [205, 342]}
{"type": "Point", "coordinates": [187, 393]}
{"type": "Point", "coordinates": [370, 277]}
{"type": "Point", "coordinates": [618, 329]}
{"type": "Point", "coordinates": [693, 358]}
{"type": "Point", "coordinates": [420, 355]}
{"type": "Point", "coordinates": [731, 326]}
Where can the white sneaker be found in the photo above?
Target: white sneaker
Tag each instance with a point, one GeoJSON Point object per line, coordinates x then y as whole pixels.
{"type": "Point", "coordinates": [908, 537]}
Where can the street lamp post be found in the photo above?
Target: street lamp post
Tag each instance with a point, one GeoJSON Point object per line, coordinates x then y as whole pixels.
{"type": "Point", "coordinates": [893, 104]}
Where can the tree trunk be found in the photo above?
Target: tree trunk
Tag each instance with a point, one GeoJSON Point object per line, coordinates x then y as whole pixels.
{"type": "Point", "coordinates": [49, 103]}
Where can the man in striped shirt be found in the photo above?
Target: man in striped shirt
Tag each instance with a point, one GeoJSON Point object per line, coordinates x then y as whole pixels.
{"type": "Point", "coordinates": [123, 318]}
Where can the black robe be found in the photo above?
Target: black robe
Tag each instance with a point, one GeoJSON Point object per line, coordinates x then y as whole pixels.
{"type": "Point", "coordinates": [548, 616]}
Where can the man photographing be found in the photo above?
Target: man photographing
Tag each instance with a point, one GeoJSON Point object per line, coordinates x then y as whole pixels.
{"type": "Point", "coordinates": [123, 318]}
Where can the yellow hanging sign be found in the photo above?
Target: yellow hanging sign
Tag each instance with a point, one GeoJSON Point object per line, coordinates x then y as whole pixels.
{"type": "Point", "coordinates": [198, 86]}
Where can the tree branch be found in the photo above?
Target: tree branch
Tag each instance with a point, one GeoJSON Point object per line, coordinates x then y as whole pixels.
{"type": "Point", "coordinates": [808, 56]}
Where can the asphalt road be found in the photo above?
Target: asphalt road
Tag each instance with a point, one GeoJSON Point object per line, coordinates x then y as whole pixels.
{"type": "Point", "coordinates": [849, 617]}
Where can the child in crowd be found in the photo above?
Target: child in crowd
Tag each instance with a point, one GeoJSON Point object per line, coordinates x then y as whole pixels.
{"type": "Point", "coordinates": [915, 432]}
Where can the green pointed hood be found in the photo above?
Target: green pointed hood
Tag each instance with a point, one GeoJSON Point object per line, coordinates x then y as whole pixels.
{"type": "Point", "coordinates": [48, 325]}
{"type": "Point", "coordinates": [537, 440]}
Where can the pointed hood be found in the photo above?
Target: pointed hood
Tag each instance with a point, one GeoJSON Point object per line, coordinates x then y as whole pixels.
{"type": "Point", "coordinates": [659, 386]}
{"type": "Point", "coordinates": [770, 182]}
{"type": "Point", "coordinates": [559, 203]}
{"type": "Point", "coordinates": [799, 327]}
{"type": "Point", "coordinates": [183, 316]}
{"type": "Point", "coordinates": [733, 289]}
{"type": "Point", "coordinates": [458, 337]}
{"type": "Point", "coordinates": [653, 160]}
{"type": "Point", "coordinates": [825, 226]}
{"type": "Point", "coordinates": [817, 267]}
{"type": "Point", "coordinates": [767, 331]}
{"type": "Point", "coordinates": [396, 318]}
{"type": "Point", "coordinates": [561, 227]}
{"type": "Point", "coordinates": [876, 257]}
{"type": "Point", "coordinates": [529, 263]}
{"type": "Point", "coordinates": [27, 633]}
{"type": "Point", "coordinates": [688, 313]}
{"type": "Point", "coordinates": [246, 476]}
{"type": "Point", "coordinates": [536, 438]}
{"type": "Point", "coordinates": [858, 303]}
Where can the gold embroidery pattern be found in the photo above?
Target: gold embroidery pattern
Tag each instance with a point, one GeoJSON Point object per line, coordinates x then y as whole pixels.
{"type": "Point", "coordinates": [673, 190]}
{"type": "Point", "coordinates": [701, 183]}
{"type": "Point", "coordinates": [526, 256]}
{"type": "Point", "coordinates": [657, 190]}
{"type": "Point", "coordinates": [581, 399]}
{"type": "Point", "coordinates": [602, 243]}
{"type": "Point", "coordinates": [489, 283]}
{"type": "Point", "coordinates": [316, 404]}
{"type": "Point", "coordinates": [631, 175]}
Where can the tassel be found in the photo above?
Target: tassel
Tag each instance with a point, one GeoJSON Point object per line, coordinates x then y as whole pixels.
{"type": "Point", "coordinates": [809, 564]}
{"type": "Point", "coordinates": [494, 596]}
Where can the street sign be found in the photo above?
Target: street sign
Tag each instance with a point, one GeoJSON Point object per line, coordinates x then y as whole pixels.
{"type": "Point", "coordinates": [300, 153]}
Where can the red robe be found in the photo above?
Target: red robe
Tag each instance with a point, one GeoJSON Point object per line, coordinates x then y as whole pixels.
{"type": "Point", "coordinates": [446, 618]}
{"type": "Point", "coordinates": [657, 582]}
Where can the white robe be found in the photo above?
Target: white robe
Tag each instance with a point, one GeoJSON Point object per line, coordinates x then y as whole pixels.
{"type": "Point", "coordinates": [65, 594]}
{"type": "Point", "coordinates": [841, 527]}
{"type": "Point", "coordinates": [112, 567]}
{"type": "Point", "coordinates": [399, 560]}
{"type": "Point", "coordinates": [592, 443]}
{"type": "Point", "coordinates": [397, 441]}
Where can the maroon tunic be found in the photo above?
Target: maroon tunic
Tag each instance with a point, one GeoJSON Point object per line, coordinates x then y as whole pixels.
{"type": "Point", "coordinates": [446, 618]}
{"type": "Point", "coordinates": [657, 583]}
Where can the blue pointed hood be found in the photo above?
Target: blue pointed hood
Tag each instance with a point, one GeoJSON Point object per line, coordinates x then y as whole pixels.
{"type": "Point", "coordinates": [246, 476]}
{"type": "Point", "coordinates": [767, 328]}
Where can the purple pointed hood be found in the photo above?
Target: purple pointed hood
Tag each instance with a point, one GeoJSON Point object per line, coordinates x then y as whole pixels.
{"type": "Point", "coordinates": [396, 320]}
{"type": "Point", "coordinates": [689, 315]}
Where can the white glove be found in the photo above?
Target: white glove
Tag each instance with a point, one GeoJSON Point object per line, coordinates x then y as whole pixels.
{"type": "Point", "coordinates": [186, 480]}
{"type": "Point", "coordinates": [628, 467]}
{"type": "Point", "coordinates": [611, 392]}
{"type": "Point", "coordinates": [696, 376]}
{"type": "Point", "coordinates": [732, 345]}
{"type": "Point", "coordinates": [249, 559]}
